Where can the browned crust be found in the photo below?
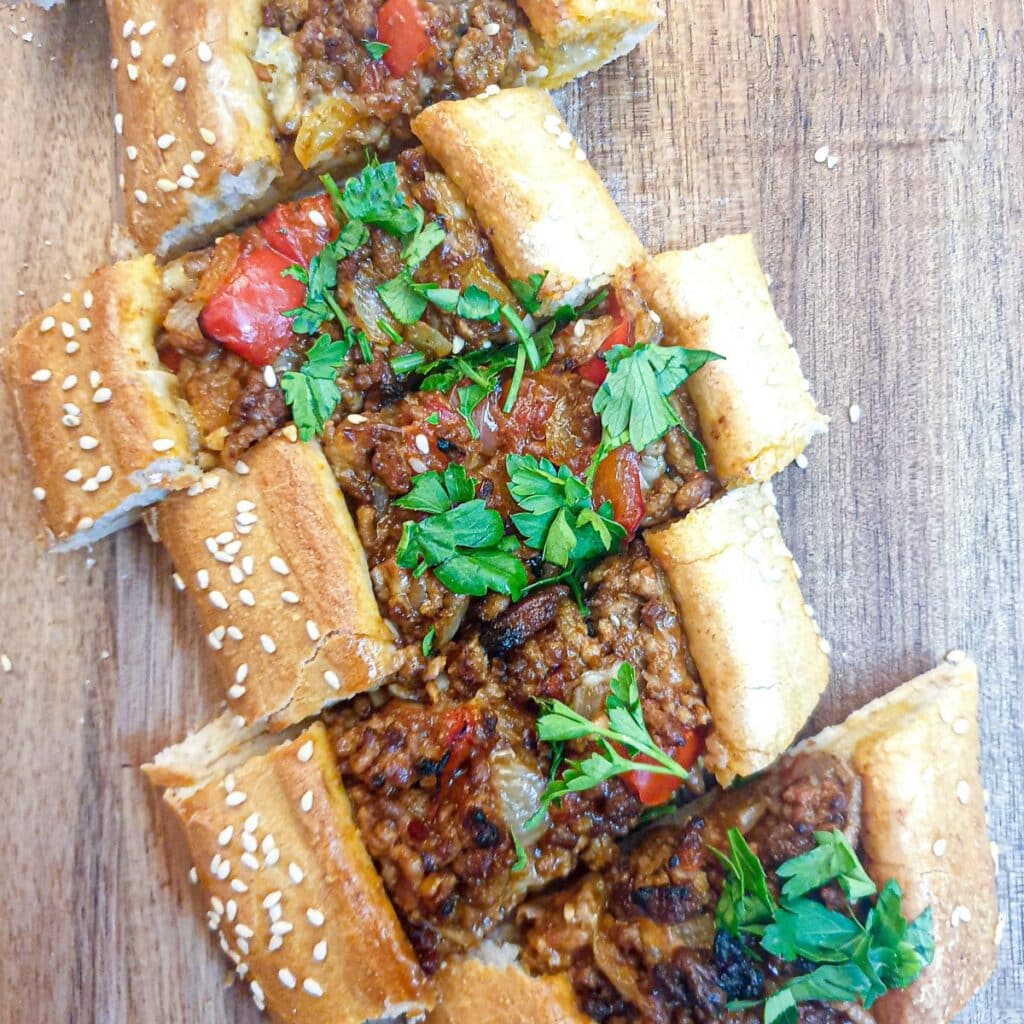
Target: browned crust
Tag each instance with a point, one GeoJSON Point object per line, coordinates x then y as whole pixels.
{"type": "Point", "coordinates": [468, 990]}
{"type": "Point", "coordinates": [760, 658]}
{"type": "Point", "coordinates": [293, 575]}
{"type": "Point", "coordinates": [218, 119]}
{"type": "Point", "coordinates": [916, 752]}
{"type": "Point", "coordinates": [85, 371]}
{"type": "Point", "coordinates": [755, 407]}
{"type": "Point", "coordinates": [365, 968]}
{"type": "Point", "coordinates": [531, 188]}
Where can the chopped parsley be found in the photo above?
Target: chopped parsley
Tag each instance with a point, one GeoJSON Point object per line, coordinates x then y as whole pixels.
{"type": "Point", "coordinates": [558, 517]}
{"type": "Point", "coordinates": [857, 955]}
{"type": "Point", "coordinates": [460, 539]}
{"type": "Point", "coordinates": [312, 390]}
{"type": "Point", "coordinates": [633, 400]}
{"type": "Point", "coordinates": [558, 724]}
{"type": "Point", "coordinates": [428, 642]}
{"type": "Point", "coordinates": [374, 49]}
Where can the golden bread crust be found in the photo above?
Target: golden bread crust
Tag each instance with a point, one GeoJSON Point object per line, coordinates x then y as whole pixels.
{"type": "Point", "coordinates": [760, 658]}
{"type": "Point", "coordinates": [531, 188]}
{"type": "Point", "coordinates": [190, 110]}
{"type": "Point", "coordinates": [100, 418]}
{"type": "Point", "coordinates": [916, 753]}
{"type": "Point", "coordinates": [300, 909]}
{"type": "Point", "coordinates": [273, 563]}
{"type": "Point", "coordinates": [468, 990]}
{"type": "Point", "coordinates": [755, 407]}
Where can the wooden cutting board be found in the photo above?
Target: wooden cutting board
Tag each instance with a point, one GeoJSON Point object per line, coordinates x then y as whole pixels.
{"type": "Point", "coordinates": [899, 272]}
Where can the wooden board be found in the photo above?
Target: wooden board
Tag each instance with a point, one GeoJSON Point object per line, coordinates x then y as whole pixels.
{"type": "Point", "coordinates": [900, 273]}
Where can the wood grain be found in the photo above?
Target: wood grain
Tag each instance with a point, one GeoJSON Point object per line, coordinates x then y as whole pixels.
{"type": "Point", "coordinates": [900, 274]}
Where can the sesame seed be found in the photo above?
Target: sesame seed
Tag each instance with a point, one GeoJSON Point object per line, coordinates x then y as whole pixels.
{"type": "Point", "coordinates": [68, 382]}
{"type": "Point", "coordinates": [821, 154]}
{"type": "Point", "coordinates": [38, 493]}
{"type": "Point", "coordinates": [312, 631]}
{"type": "Point", "coordinates": [104, 473]}
{"type": "Point", "coordinates": [963, 791]}
{"type": "Point", "coordinates": [306, 802]}
{"type": "Point", "coordinates": [214, 640]}
{"type": "Point", "coordinates": [215, 901]}
{"type": "Point", "coordinates": [224, 870]}
{"type": "Point", "coordinates": [101, 396]}
{"type": "Point", "coordinates": [295, 873]}
{"type": "Point", "coordinates": [90, 485]}
{"type": "Point", "coordinates": [246, 597]}
{"type": "Point", "coordinates": [73, 475]}
{"type": "Point", "coordinates": [179, 583]}
{"type": "Point", "coordinates": [231, 908]}
{"type": "Point", "coordinates": [87, 442]}
{"type": "Point", "coordinates": [272, 857]}
{"type": "Point", "coordinates": [235, 692]}
{"type": "Point", "coordinates": [960, 915]}
{"type": "Point", "coordinates": [241, 673]}
{"type": "Point", "coordinates": [85, 523]}
{"type": "Point", "coordinates": [305, 751]}
{"type": "Point", "coordinates": [179, 84]}
{"type": "Point", "coordinates": [193, 876]}
{"type": "Point", "coordinates": [141, 197]}
{"type": "Point", "coordinates": [272, 899]}
{"type": "Point", "coordinates": [289, 597]}
{"type": "Point", "coordinates": [87, 299]}
{"type": "Point", "coordinates": [225, 834]}
{"type": "Point", "coordinates": [114, 63]}
{"type": "Point", "coordinates": [269, 377]}
{"type": "Point", "coordinates": [801, 461]}
{"type": "Point", "coordinates": [939, 847]}
{"type": "Point", "coordinates": [356, 418]}
{"type": "Point", "coordinates": [249, 843]}
{"type": "Point", "coordinates": [5, 663]}
{"type": "Point", "coordinates": [422, 444]}
{"type": "Point", "coordinates": [218, 600]}
{"type": "Point", "coordinates": [280, 928]}
{"type": "Point", "coordinates": [198, 156]}
{"type": "Point", "coordinates": [166, 140]}
{"type": "Point", "coordinates": [312, 988]}
{"type": "Point", "coordinates": [118, 123]}
{"type": "Point", "coordinates": [203, 579]}
{"type": "Point", "coordinates": [238, 885]}
{"type": "Point", "coordinates": [184, 181]}
{"type": "Point", "coordinates": [41, 376]}
{"type": "Point", "coordinates": [166, 185]}
{"type": "Point", "coordinates": [207, 136]}
{"type": "Point", "coordinates": [135, 48]}
{"type": "Point", "coordinates": [320, 951]}
{"type": "Point", "coordinates": [234, 798]}
{"type": "Point", "coordinates": [492, 28]}
{"type": "Point", "coordinates": [315, 917]}
{"type": "Point", "coordinates": [163, 444]}
{"type": "Point", "coordinates": [317, 219]}
{"type": "Point", "coordinates": [47, 324]}
{"type": "Point", "coordinates": [94, 379]}
{"type": "Point", "coordinates": [279, 565]}
{"type": "Point", "coordinates": [855, 413]}
{"type": "Point", "coordinates": [246, 519]}
{"type": "Point", "coordinates": [286, 977]}
{"type": "Point", "coordinates": [235, 633]}
{"type": "Point", "coordinates": [204, 53]}
{"type": "Point", "coordinates": [332, 680]}
{"type": "Point", "coordinates": [250, 861]}
{"type": "Point", "coordinates": [248, 565]}
{"type": "Point", "coordinates": [267, 643]}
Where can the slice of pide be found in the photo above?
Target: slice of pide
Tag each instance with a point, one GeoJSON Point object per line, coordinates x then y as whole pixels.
{"type": "Point", "coordinates": [292, 892]}
{"type": "Point", "coordinates": [273, 564]}
{"type": "Point", "coordinates": [101, 420]}
{"type": "Point", "coordinates": [224, 106]}
{"type": "Point", "coordinates": [529, 184]}
{"type": "Point", "coordinates": [755, 407]}
{"type": "Point", "coordinates": [761, 660]}
{"type": "Point", "coordinates": [900, 778]}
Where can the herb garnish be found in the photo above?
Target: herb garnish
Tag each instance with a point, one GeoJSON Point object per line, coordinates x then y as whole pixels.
{"type": "Point", "coordinates": [858, 960]}
{"type": "Point", "coordinates": [374, 49]}
{"type": "Point", "coordinates": [633, 400]}
{"type": "Point", "coordinates": [460, 539]}
{"type": "Point", "coordinates": [312, 390]}
{"type": "Point", "coordinates": [519, 864]}
{"type": "Point", "coordinates": [558, 723]}
{"type": "Point", "coordinates": [558, 517]}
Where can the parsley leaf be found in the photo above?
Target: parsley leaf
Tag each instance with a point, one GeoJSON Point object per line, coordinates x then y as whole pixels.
{"type": "Point", "coordinates": [373, 197]}
{"type": "Point", "coordinates": [461, 540]}
{"type": "Point", "coordinates": [558, 518]}
{"type": "Point", "coordinates": [558, 723]}
{"type": "Point", "coordinates": [521, 861]}
{"type": "Point", "coordinates": [422, 244]}
{"type": "Point", "coordinates": [853, 960]}
{"type": "Point", "coordinates": [374, 49]}
{"type": "Point", "coordinates": [403, 302]}
{"type": "Point", "coordinates": [528, 291]}
{"type": "Point", "coordinates": [832, 858]}
{"type": "Point", "coordinates": [428, 642]}
{"type": "Point", "coordinates": [633, 400]}
{"type": "Point", "coordinates": [312, 390]}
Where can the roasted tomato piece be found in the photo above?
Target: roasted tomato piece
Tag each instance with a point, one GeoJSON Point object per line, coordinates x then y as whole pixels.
{"type": "Point", "coordinates": [300, 230]}
{"type": "Point", "coordinates": [594, 369]}
{"type": "Point", "coordinates": [653, 789]}
{"type": "Point", "coordinates": [618, 480]}
{"type": "Point", "coordinates": [400, 26]}
{"type": "Point", "coordinates": [245, 313]}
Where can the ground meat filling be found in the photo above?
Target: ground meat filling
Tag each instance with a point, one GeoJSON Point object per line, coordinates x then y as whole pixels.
{"type": "Point", "coordinates": [469, 45]}
{"type": "Point", "coordinates": [639, 941]}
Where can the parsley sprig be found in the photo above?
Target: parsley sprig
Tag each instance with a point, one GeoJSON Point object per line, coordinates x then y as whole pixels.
{"type": "Point", "coordinates": [632, 402]}
{"type": "Point", "coordinates": [460, 539]}
{"type": "Point", "coordinates": [558, 518]}
{"type": "Point", "coordinates": [857, 959]}
{"type": "Point", "coordinates": [558, 724]}
{"type": "Point", "coordinates": [312, 390]}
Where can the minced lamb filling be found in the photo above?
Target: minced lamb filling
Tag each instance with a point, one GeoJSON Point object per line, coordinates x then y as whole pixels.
{"type": "Point", "coordinates": [325, 79]}
{"type": "Point", "coordinates": [639, 941]}
{"type": "Point", "coordinates": [443, 786]}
